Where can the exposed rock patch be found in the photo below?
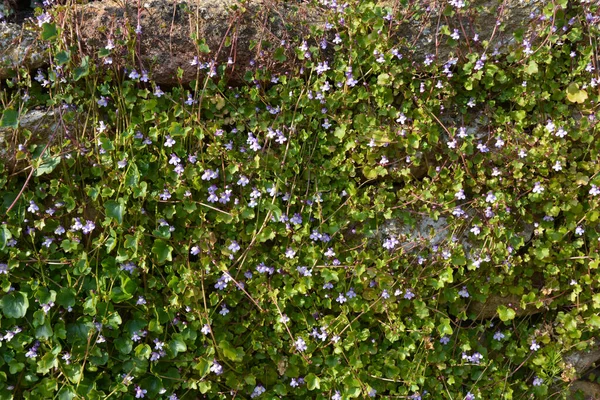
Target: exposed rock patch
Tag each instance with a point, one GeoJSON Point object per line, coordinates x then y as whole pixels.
{"type": "Point", "coordinates": [590, 390]}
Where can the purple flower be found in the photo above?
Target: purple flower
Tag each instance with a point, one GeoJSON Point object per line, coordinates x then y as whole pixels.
{"type": "Point", "coordinates": [216, 368]}
{"type": "Point", "coordinates": [140, 393]}
{"type": "Point", "coordinates": [169, 142]}
{"type": "Point", "coordinates": [32, 207]}
{"type": "Point", "coordinates": [128, 266]}
{"type": "Point", "coordinates": [89, 227]}
{"type": "Point", "coordinates": [341, 299]}
{"type": "Point", "coordinates": [44, 18]}
{"type": "Point", "coordinates": [296, 219]}
{"type": "Point", "coordinates": [534, 346]}
{"type": "Point", "coordinates": [290, 253]}
{"type": "Point", "coordinates": [165, 195]}
{"type": "Point", "coordinates": [234, 247]}
{"type": "Point", "coordinates": [300, 345]}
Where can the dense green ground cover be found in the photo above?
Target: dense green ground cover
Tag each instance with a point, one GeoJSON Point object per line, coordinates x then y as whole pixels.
{"type": "Point", "coordinates": [237, 242]}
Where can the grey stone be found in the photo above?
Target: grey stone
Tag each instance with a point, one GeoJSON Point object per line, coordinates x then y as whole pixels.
{"type": "Point", "coordinates": [167, 27]}
{"type": "Point", "coordinates": [43, 124]}
{"type": "Point", "coordinates": [583, 360]}
{"type": "Point", "coordinates": [590, 390]}
{"type": "Point", "coordinates": [19, 47]}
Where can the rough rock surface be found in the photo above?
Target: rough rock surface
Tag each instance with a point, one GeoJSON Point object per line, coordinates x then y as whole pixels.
{"type": "Point", "coordinates": [590, 390]}
{"type": "Point", "coordinates": [19, 47]}
{"type": "Point", "coordinates": [165, 43]}
{"type": "Point", "coordinates": [44, 125]}
{"type": "Point", "coordinates": [167, 28]}
{"type": "Point", "coordinates": [583, 360]}
{"type": "Point", "coordinates": [511, 15]}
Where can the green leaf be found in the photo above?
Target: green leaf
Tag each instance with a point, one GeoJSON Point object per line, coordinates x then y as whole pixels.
{"type": "Point", "coordinates": [15, 305]}
{"type": "Point", "coordinates": [444, 328]}
{"type": "Point", "coordinates": [140, 191]}
{"type": "Point", "coordinates": [83, 70]}
{"type": "Point", "coordinates": [5, 236]}
{"type": "Point", "coordinates": [15, 366]}
{"type": "Point", "coordinates": [162, 251]}
{"type": "Point", "coordinates": [10, 119]}
{"type": "Point", "coordinates": [383, 79]}
{"type": "Point", "coordinates": [542, 252]}
{"type": "Point", "coordinates": [340, 132]}
{"type": "Point", "coordinates": [49, 31]}
{"type": "Point", "coordinates": [594, 321]}
{"type": "Point", "coordinates": [576, 95]}
{"type": "Point", "coordinates": [124, 345]}
{"type": "Point", "coordinates": [312, 381]}
{"type": "Point", "coordinates": [279, 54]}
{"type": "Point", "coordinates": [66, 393]}
{"type": "Point", "coordinates": [532, 68]}
{"type": "Point", "coordinates": [66, 297]}
{"type": "Point", "coordinates": [231, 352]}
{"type": "Point", "coordinates": [204, 386]}
{"type": "Point", "coordinates": [125, 291]}
{"type": "Point", "coordinates": [132, 178]}
{"type": "Point", "coordinates": [505, 313]}
{"type": "Point", "coordinates": [115, 209]}
{"type": "Point", "coordinates": [203, 47]}
{"type": "Point", "coordinates": [353, 392]}
{"type": "Point", "coordinates": [459, 260]}
{"type": "Point", "coordinates": [44, 331]}
{"type": "Point", "coordinates": [177, 345]}
{"type": "Point", "coordinates": [47, 166]}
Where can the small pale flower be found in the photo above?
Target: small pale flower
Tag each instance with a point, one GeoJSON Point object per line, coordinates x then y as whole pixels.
{"type": "Point", "coordinates": [557, 166]}
{"type": "Point", "coordinates": [140, 393]}
{"type": "Point", "coordinates": [234, 247]}
{"type": "Point", "coordinates": [538, 188]}
{"type": "Point", "coordinates": [32, 207]}
{"type": "Point", "coordinates": [169, 142]}
{"type": "Point", "coordinates": [490, 198]}
{"type": "Point", "coordinates": [300, 345]}
{"type": "Point", "coordinates": [290, 253]}
{"type": "Point", "coordinates": [216, 368]}
{"type": "Point", "coordinates": [534, 346]}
